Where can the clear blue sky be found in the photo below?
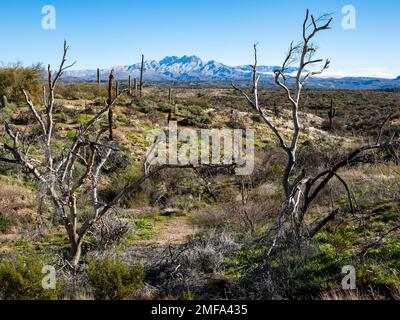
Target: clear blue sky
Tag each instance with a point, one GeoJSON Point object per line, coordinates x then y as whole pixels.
{"type": "Point", "coordinates": [106, 33]}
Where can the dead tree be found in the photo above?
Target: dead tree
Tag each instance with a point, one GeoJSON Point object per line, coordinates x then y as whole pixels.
{"type": "Point", "coordinates": [56, 171]}
{"type": "Point", "coordinates": [110, 111]}
{"type": "Point", "coordinates": [299, 188]}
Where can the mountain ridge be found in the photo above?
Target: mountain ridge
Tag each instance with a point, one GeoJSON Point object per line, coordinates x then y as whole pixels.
{"type": "Point", "coordinates": [194, 69]}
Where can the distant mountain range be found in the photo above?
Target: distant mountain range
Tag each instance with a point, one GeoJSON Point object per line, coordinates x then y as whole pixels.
{"type": "Point", "coordinates": [193, 69]}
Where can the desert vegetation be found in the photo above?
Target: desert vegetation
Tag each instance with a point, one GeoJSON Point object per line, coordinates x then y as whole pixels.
{"type": "Point", "coordinates": [75, 192]}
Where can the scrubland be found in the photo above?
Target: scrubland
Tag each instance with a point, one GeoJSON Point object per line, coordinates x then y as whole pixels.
{"type": "Point", "coordinates": [198, 234]}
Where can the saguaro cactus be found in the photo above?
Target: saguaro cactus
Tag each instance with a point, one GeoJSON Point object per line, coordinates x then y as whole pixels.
{"type": "Point", "coordinates": [130, 84]}
{"type": "Point", "coordinates": [141, 76]}
{"type": "Point", "coordinates": [98, 81]}
{"type": "Point", "coordinates": [116, 88]}
{"type": "Point", "coordinates": [276, 110]}
{"type": "Point", "coordinates": [331, 115]}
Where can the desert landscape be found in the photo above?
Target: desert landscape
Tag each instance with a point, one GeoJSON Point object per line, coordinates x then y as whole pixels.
{"type": "Point", "coordinates": [317, 218]}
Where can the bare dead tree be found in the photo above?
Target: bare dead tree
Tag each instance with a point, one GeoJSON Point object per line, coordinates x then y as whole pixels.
{"type": "Point", "coordinates": [110, 111]}
{"type": "Point", "coordinates": [301, 189]}
{"type": "Point", "coordinates": [56, 171]}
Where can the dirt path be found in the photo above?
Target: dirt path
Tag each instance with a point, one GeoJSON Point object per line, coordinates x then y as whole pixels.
{"type": "Point", "coordinates": [174, 231]}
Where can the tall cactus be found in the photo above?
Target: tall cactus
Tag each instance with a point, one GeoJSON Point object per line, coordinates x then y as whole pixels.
{"type": "Point", "coordinates": [331, 115]}
{"type": "Point", "coordinates": [276, 110]}
{"type": "Point", "coordinates": [116, 88]}
{"type": "Point", "coordinates": [141, 76]}
{"type": "Point", "coordinates": [98, 82]}
{"type": "Point", "coordinates": [130, 85]}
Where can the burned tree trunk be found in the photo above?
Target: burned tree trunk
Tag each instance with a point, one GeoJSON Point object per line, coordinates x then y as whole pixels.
{"type": "Point", "coordinates": [110, 111]}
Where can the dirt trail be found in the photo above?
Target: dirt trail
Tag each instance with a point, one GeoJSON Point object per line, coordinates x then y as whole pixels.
{"type": "Point", "coordinates": [175, 231]}
{"type": "Point", "coordinates": [169, 232]}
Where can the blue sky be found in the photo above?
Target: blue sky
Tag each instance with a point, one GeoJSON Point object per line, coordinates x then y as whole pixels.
{"type": "Point", "coordinates": [107, 33]}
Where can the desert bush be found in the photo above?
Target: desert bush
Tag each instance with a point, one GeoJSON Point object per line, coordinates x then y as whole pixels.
{"type": "Point", "coordinates": [117, 161]}
{"type": "Point", "coordinates": [249, 218]}
{"type": "Point", "coordinates": [110, 231]}
{"type": "Point", "coordinates": [165, 107]}
{"type": "Point", "coordinates": [80, 91]}
{"type": "Point", "coordinates": [112, 279]}
{"type": "Point", "coordinates": [207, 253]}
{"type": "Point", "coordinates": [118, 180]}
{"type": "Point", "coordinates": [8, 112]}
{"type": "Point", "coordinates": [256, 118]}
{"type": "Point", "coordinates": [15, 77]}
{"type": "Point", "coordinates": [195, 115]}
{"type": "Point", "coordinates": [198, 101]}
{"type": "Point", "coordinates": [336, 125]}
{"type": "Point", "coordinates": [236, 123]}
{"type": "Point", "coordinates": [15, 206]}
{"type": "Point", "coordinates": [144, 106]}
{"type": "Point", "coordinates": [21, 279]}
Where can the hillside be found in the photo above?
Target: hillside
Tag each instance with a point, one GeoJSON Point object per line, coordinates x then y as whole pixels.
{"type": "Point", "coordinates": [193, 231]}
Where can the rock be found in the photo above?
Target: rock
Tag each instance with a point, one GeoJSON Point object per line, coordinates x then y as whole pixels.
{"type": "Point", "coordinates": [172, 212]}
{"type": "Point", "coordinates": [4, 102]}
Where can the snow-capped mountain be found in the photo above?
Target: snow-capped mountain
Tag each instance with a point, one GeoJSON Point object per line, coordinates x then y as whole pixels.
{"type": "Point", "coordinates": [186, 68]}
{"type": "Point", "coordinates": [193, 69]}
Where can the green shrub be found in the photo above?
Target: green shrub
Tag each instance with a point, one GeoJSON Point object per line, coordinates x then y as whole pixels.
{"type": "Point", "coordinates": [256, 118]}
{"type": "Point", "coordinates": [321, 272]}
{"type": "Point", "coordinates": [21, 279]}
{"type": "Point", "coordinates": [144, 106]}
{"type": "Point", "coordinates": [119, 179]}
{"type": "Point", "coordinates": [78, 91]}
{"type": "Point", "coordinates": [5, 223]}
{"type": "Point", "coordinates": [8, 112]}
{"type": "Point", "coordinates": [114, 280]}
{"type": "Point", "coordinates": [195, 116]}
{"type": "Point", "coordinates": [165, 107]}
{"type": "Point", "coordinates": [15, 77]}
